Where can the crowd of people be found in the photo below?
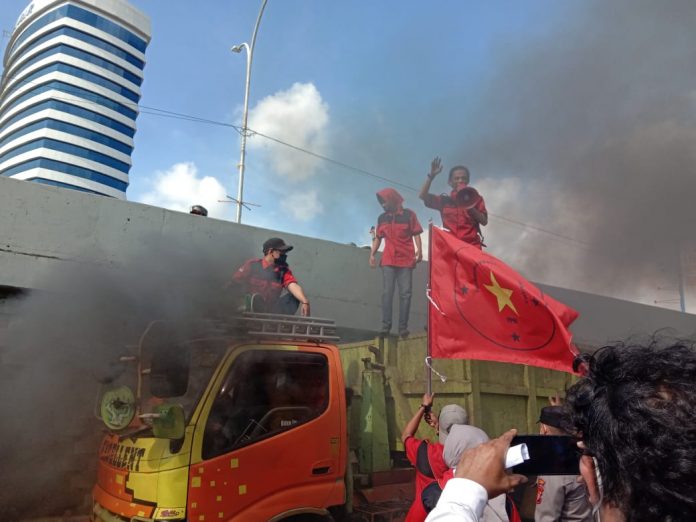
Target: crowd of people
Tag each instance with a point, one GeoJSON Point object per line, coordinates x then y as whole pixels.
{"type": "Point", "coordinates": [633, 413]}
{"type": "Point", "coordinates": [633, 416]}
{"type": "Point", "coordinates": [463, 212]}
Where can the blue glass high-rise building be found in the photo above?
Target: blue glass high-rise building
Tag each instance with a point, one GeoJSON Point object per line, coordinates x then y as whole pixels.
{"type": "Point", "coordinates": [69, 94]}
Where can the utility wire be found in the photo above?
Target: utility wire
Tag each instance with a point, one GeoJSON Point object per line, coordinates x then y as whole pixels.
{"type": "Point", "coordinates": [164, 113]}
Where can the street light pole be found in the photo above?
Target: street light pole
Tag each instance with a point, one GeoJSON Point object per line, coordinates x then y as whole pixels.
{"type": "Point", "coordinates": [250, 56]}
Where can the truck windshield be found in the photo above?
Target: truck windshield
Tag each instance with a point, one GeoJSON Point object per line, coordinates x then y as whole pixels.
{"type": "Point", "coordinates": [180, 372]}
{"type": "Point", "coordinates": [287, 390]}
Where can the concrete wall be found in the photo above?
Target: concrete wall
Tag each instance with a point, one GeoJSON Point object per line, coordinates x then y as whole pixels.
{"type": "Point", "coordinates": [44, 227]}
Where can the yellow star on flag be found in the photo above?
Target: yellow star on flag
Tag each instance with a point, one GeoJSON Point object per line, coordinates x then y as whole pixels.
{"type": "Point", "coordinates": [501, 294]}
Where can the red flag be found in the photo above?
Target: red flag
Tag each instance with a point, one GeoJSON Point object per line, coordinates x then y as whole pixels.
{"type": "Point", "coordinates": [480, 308]}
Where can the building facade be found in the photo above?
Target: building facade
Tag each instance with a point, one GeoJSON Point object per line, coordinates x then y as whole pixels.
{"type": "Point", "coordinates": [73, 71]}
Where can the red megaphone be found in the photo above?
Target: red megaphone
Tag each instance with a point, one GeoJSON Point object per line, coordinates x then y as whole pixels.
{"type": "Point", "coordinates": [467, 197]}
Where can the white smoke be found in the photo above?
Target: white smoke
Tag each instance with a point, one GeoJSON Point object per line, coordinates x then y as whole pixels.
{"type": "Point", "coordinates": [297, 116]}
{"type": "Point", "coordinates": [179, 187]}
{"type": "Point", "coordinates": [303, 206]}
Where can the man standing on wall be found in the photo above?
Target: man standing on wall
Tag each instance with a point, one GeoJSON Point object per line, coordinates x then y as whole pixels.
{"type": "Point", "coordinates": [463, 211]}
{"type": "Point", "coordinates": [400, 229]}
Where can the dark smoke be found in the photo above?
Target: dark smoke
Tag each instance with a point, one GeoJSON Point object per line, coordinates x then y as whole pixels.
{"type": "Point", "coordinates": [583, 124]}
{"type": "Point", "coordinates": [65, 339]}
{"type": "Point", "coordinates": [597, 120]}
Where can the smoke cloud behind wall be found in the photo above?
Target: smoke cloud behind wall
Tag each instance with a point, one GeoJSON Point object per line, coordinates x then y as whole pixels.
{"type": "Point", "coordinates": [584, 127]}
{"type": "Point", "coordinates": [598, 124]}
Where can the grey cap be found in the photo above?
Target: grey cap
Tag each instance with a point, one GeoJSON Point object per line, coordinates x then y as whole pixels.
{"type": "Point", "coordinates": [449, 416]}
{"type": "Point", "coordinates": [462, 438]}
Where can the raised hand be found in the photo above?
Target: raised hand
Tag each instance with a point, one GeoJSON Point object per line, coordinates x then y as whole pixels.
{"type": "Point", "coordinates": [435, 166]}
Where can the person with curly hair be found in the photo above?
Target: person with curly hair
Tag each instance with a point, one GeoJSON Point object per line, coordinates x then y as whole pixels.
{"type": "Point", "coordinates": [635, 413]}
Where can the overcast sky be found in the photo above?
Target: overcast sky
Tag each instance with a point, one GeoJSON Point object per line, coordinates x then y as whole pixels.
{"type": "Point", "coordinates": [576, 119]}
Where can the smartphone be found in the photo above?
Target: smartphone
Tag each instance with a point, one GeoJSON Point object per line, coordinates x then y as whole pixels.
{"type": "Point", "coordinates": [549, 455]}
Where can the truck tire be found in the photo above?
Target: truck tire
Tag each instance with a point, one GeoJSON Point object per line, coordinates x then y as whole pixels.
{"type": "Point", "coordinates": [307, 517]}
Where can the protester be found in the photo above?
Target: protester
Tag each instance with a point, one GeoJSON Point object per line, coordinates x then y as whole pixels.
{"type": "Point", "coordinates": [480, 475]}
{"type": "Point", "coordinates": [426, 456]}
{"type": "Point", "coordinates": [450, 416]}
{"type": "Point", "coordinates": [634, 412]}
{"type": "Point", "coordinates": [423, 456]}
{"type": "Point", "coordinates": [199, 210]}
{"type": "Point", "coordinates": [263, 280]}
{"type": "Point", "coordinates": [559, 497]}
{"type": "Point", "coordinates": [463, 216]}
{"type": "Point", "coordinates": [460, 439]}
{"type": "Point", "coordinates": [400, 229]}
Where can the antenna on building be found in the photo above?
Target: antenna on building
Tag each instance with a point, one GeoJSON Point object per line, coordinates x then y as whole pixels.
{"type": "Point", "coordinates": [245, 204]}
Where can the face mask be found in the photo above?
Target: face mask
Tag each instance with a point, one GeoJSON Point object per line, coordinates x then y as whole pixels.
{"type": "Point", "coordinates": [282, 260]}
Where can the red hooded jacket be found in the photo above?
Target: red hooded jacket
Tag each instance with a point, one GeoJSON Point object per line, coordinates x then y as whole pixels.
{"type": "Point", "coordinates": [397, 227]}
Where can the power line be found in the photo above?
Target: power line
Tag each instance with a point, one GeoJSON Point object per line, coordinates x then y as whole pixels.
{"type": "Point", "coordinates": [331, 160]}
{"type": "Point", "coordinates": [539, 229]}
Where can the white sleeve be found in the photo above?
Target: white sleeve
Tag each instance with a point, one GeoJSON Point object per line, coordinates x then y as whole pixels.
{"type": "Point", "coordinates": [462, 500]}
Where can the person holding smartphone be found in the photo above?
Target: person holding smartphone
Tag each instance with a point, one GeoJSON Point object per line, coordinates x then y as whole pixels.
{"type": "Point", "coordinates": [559, 497]}
{"type": "Point", "coordinates": [633, 412]}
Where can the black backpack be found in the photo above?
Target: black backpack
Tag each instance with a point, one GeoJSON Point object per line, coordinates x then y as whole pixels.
{"type": "Point", "coordinates": [431, 493]}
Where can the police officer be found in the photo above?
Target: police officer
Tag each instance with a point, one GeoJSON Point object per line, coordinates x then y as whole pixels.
{"type": "Point", "coordinates": [559, 497]}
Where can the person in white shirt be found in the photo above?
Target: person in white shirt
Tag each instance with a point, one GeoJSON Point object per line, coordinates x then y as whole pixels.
{"type": "Point", "coordinates": [480, 475]}
{"type": "Point", "coordinates": [638, 462]}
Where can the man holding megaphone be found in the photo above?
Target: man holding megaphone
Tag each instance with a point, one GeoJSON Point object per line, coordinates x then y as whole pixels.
{"type": "Point", "coordinates": [463, 210]}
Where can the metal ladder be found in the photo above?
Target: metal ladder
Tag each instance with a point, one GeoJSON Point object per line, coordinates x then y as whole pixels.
{"type": "Point", "coordinates": [277, 326]}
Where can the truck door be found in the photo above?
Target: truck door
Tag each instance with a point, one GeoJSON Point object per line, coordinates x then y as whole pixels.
{"type": "Point", "coordinates": [270, 436]}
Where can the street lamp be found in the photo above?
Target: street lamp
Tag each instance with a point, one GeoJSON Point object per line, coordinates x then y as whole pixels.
{"type": "Point", "coordinates": [250, 55]}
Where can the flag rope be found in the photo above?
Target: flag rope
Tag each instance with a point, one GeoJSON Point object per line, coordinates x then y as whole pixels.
{"type": "Point", "coordinates": [427, 294]}
{"type": "Point", "coordinates": [429, 364]}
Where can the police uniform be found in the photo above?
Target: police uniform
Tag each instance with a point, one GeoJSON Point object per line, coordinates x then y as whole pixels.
{"type": "Point", "coordinates": [560, 497]}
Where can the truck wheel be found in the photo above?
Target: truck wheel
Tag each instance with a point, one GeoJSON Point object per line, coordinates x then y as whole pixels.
{"type": "Point", "coordinates": [307, 517]}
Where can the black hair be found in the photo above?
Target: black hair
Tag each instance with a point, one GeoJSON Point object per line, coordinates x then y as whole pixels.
{"type": "Point", "coordinates": [635, 410]}
{"type": "Point", "coordinates": [458, 167]}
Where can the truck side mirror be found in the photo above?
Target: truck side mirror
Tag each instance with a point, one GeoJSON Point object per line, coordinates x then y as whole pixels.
{"type": "Point", "coordinates": [168, 422]}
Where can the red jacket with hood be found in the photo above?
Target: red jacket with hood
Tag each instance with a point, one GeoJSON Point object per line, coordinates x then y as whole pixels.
{"type": "Point", "coordinates": [397, 227]}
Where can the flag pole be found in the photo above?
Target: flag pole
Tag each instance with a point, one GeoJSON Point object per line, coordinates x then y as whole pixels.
{"type": "Point", "coordinates": [428, 368]}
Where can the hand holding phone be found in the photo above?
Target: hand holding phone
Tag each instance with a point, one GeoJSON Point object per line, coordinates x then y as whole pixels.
{"type": "Point", "coordinates": [484, 465]}
{"type": "Point", "coordinates": [549, 455]}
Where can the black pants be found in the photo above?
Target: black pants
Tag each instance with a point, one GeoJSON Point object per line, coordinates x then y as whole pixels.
{"type": "Point", "coordinates": [286, 304]}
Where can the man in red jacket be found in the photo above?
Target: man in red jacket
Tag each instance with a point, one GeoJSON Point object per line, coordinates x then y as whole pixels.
{"type": "Point", "coordinates": [426, 456]}
{"type": "Point", "coordinates": [463, 216]}
{"type": "Point", "coordinates": [264, 279]}
{"type": "Point", "coordinates": [400, 229]}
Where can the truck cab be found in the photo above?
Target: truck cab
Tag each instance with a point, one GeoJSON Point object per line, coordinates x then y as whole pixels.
{"type": "Point", "coordinates": [243, 421]}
